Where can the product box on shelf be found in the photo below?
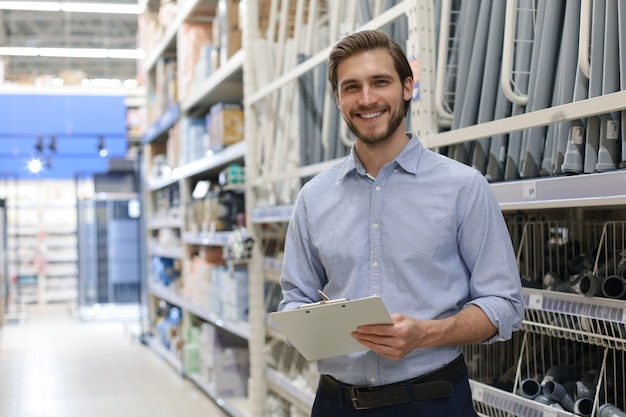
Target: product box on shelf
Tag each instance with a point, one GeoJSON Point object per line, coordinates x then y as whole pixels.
{"type": "Point", "coordinates": [172, 146]}
{"type": "Point", "coordinates": [193, 132]}
{"type": "Point", "coordinates": [198, 281]}
{"type": "Point", "coordinates": [166, 84]}
{"type": "Point", "coordinates": [192, 42]}
{"type": "Point", "coordinates": [225, 125]}
{"type": "Point", "coordinates": [227, 30]}
{"type": "Point", "coordinates": [224, 361]}
{"type": "Point", "coordinates": [230, 293]}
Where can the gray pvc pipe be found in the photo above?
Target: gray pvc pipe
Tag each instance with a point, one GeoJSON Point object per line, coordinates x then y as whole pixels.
{"type": "Point", "coordinates": [490, 94]}
{"type": "Point", "coordinates": [621, 29]}
{"type": "Point", "coordinates": [523, 53]}
{"type": "Point", "coordinates": [595, 83]}
{"type": "Point", "coordinates": [608, 150]}
{"type": "Point", "coordinates": [555, 391]}
{"type": "Point", "coordinates": [583, 407]}
{"type": "Point", "coordinates": [474, 28]}
{"type": "Point", "coordinates": [614, 287]}
{"type": "Point", "coordinates": [566, 80]}
{"type": "Point", "coordinates": [590, 285]}
{"type": "Point", "coordinates": [530, 388]}
{"type": "Point", "coordinates": [542, 79]}
{"type": "Point", "coordinates": [610, 410]}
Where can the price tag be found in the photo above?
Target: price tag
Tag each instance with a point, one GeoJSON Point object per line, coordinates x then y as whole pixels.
{"type": "Point", "coordinates": [529, 191]}
{"type": "Point", "coordinates": [550, 412]}
{"type": "Point", "coordinates": [577, 135]}
{"type": "Point", "coordinates": [535, 301]}
{"type": "Point", "coordinates": [612, 130]}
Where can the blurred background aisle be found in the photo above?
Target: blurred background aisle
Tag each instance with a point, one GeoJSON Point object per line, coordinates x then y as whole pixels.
{"type": "Point", "coordinates": [53, 364]}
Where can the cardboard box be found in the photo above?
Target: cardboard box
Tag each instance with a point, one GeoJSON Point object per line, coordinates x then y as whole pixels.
{"type": "Point", "coordinates": [225, 125]}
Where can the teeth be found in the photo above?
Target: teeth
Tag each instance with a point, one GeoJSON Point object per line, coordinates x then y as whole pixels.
{"type": "Point", "coordinates": [371, 115]}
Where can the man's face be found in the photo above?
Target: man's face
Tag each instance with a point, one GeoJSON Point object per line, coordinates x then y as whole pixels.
{"type": "Point", "coordinates": [371, 96]}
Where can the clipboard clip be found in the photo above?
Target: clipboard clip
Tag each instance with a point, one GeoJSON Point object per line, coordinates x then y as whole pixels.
{"type": "Point", "coordinates": [325, 300]}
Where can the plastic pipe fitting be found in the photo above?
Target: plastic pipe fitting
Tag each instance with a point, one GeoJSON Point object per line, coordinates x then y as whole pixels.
{"type": "Point", "coordinates": [583, 407]}
{"type": "Point", "coordinates": [555, 391]}
{"type": "Point", "coordinates": [609, 410]}
{"type": "Point", "coordinates": [590, 285]}
{"type": "Point", "coordinates": [530, 388]}
{"type": "Point", "coordinates": [560, 373]}
{"type": "Point", "coordinates": [614, 287]}
{"type": "Point", "coordinates": [583, 390]}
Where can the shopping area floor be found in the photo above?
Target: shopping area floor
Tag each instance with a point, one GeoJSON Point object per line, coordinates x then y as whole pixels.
{"type": "Point", "coordinates": [53, 364]}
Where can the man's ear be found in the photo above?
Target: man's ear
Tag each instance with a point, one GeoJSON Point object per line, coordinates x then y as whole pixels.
{"type": "Point", "coordinates": [408, 88]}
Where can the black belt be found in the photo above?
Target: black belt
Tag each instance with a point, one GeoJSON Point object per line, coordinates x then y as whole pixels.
{"type": "Point", "coordinates": [436, 384]}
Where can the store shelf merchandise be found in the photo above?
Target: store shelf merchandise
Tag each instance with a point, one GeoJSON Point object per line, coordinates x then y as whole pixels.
{"type": "Point", "coordinates": [531, 94]}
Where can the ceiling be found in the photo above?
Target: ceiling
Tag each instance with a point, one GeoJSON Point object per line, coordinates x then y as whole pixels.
{"type": "Point", "coordinates": [68, 30]}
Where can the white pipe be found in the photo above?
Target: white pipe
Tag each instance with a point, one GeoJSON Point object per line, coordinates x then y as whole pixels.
{"type": "Point", "coordinates": [508, 48]}
{"type": "Point", "coordinates": [584, 37]}
{"type": "Point", "coordinates": [442, 55]}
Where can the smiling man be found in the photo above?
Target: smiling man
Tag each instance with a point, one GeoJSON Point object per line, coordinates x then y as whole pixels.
{"type": "Point", "coordinates": [421, 230]}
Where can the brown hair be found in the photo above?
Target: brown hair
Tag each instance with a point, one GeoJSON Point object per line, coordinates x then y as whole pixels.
{"type": "Point", "coordinates": [364, 41]}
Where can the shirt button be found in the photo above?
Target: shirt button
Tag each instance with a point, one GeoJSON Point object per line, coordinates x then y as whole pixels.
{"type": "Point", "coordinates": [372, 380]}
{"type": "Point", "coordinates": [395, 170]}
{"type": "Point", "coordinates": [378, 188]}
{"type": "Point", "coordinates": [374, 264]}
{"type": "Point", "coordinates": [375, 225]}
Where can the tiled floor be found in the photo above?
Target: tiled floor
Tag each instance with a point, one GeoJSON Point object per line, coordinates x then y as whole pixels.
{"type": "Point", "coordinates": [55, 365]}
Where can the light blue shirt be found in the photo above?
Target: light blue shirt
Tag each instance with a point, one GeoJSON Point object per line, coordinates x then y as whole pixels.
{"type": "Point", "coordinates": [426, 234]}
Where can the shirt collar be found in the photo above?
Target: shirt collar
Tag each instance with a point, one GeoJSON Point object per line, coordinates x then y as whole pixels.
{"type": "Point", "coordinates": [407, 159]}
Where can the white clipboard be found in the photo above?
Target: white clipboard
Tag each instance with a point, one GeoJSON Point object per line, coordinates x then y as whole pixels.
{"type": "Point", "coordinates": [322, 330]}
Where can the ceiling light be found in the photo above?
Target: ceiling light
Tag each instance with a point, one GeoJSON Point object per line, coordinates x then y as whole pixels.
{"type": "Point", "coordinates": [74, 52]}
{"type": "Point", "coordinates": [34, 166]}
{"type": "Point", "coordinates": [130, 83]}
{"type": "Point", "coordinates": [55, 6]}
{"type": "Point", "coordinates": [42, 6]}
{"type": "Point", "coordinates": [102, 150]}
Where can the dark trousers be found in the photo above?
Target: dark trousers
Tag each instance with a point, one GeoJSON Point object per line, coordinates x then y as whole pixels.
{"type": "Point", "coordinates": [457, 404]}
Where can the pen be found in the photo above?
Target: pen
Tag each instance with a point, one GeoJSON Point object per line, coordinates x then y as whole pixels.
{"type": "Point", "coordinates": [324, 296]}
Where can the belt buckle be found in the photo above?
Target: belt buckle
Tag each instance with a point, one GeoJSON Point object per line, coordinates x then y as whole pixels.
{"type": "Point", "coordinates": [355, 400]}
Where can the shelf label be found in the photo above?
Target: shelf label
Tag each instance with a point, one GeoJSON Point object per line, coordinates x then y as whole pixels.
{"type": "Point", "coordinates": [535, 301]}
{"type": "Point", "coordinates": [550, 412]}
{"type": "Point", "coordinates": [478, 393]}
{"type": "Point", "coordinates": [529, 191]}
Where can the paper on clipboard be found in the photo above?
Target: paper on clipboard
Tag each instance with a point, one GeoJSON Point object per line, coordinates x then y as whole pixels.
{"type": "Point", "coordinates": [323, 330]}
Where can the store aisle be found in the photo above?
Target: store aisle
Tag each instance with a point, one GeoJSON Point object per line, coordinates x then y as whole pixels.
{"type": "Point", "coordinates": [54, 365]}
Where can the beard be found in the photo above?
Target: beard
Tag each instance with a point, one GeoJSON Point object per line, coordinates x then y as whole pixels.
{"type": "Point", "coordinates": [397, 118]}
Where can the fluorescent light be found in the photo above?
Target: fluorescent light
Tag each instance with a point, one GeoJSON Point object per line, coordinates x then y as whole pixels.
{"type": "Point", "coordinates": [55, 6]}
{"type": "Point", "coordinates": [19, 51]}
{"type": "Point", "coordinates": [40, 6]}
{"type": "Point", "coordinates": [74, 52]}
{"type": "Point", "coordinates": [102, 8]}
{"type": "Point", "coordinates": [126, 53]}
